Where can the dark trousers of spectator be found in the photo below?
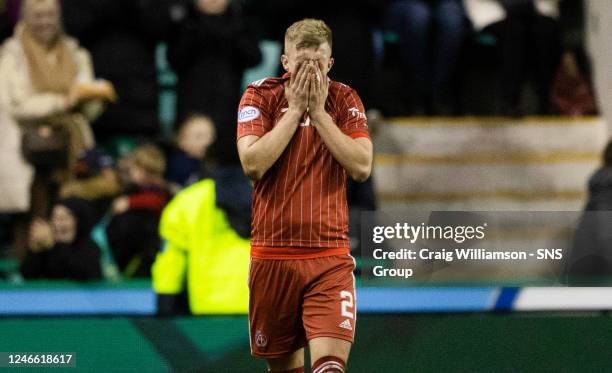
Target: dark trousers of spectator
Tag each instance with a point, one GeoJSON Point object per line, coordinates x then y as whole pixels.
{"type": "Point", "coordinates": [13, 235]}
{"type": "Point", "coordinates": [43, 192]}
{"type": "Point", "coordinates": [526, 42]}
{"type": "Point", "coordinates": [134, 257]}
{"type": "Point", "coordinates": [21, 229]}
{"type": "Point", "coordinates": [428, 59]}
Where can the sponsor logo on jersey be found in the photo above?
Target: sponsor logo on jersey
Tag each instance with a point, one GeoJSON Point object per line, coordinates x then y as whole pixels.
{"type": "Point", "coordinates": [346, 324]}
{"type": "Point", "coordinates": [356, 113]}
{"type": "Point", "coordinates": [248, 113]}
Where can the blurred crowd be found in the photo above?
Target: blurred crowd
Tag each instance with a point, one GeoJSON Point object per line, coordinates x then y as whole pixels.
{"type": "Point", "coordinates": [87, 170]}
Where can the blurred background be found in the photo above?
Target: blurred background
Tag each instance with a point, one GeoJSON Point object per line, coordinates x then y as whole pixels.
{"type": "Point", "coordinates": [124, 213]}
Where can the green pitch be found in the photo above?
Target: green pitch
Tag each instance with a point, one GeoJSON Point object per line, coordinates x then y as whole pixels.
{"type": "Point", "coordinates": [385, 343]}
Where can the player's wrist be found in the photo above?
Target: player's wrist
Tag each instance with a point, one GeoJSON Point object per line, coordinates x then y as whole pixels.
{"type": "Point", "coordinates": [294, 113]}
{"type": "Point", "coordinates": [318, 115]}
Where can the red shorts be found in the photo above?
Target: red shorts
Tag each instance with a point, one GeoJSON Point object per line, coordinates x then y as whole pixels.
{"type": "Point", "coordinates": [293, 301]}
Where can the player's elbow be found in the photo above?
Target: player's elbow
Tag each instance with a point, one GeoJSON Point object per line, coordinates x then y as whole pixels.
{"type": "Point", "coordinates": [362, 166]}
{"type": "Point", "coordinates": [250, 166]}
{"type": "Point", "coordinates": [252, 171]}
{"type": "Point", "coordinates": [361, 173]}
{"type": "Point", "coordinates": [252, 160]}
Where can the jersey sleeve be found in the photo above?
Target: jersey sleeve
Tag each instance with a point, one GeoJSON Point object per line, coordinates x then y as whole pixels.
{"type": "Point", "coordinates": [253, 114]}
{"type": "Point", "coordinates": [352, 120]}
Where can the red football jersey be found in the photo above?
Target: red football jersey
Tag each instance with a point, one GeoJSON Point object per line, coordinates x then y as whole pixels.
{"type": "Point", "coordinates": [300, 203]}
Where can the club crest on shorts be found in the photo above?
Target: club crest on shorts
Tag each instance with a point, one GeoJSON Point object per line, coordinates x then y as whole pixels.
{"type": "Point", "coordinates": [346, 324]}
{"type": "Point", "coordinates": [261, 340]}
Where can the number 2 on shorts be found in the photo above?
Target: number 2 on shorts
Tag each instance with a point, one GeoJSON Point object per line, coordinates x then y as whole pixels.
{"type": "Point", "coordinates": [346, 304]}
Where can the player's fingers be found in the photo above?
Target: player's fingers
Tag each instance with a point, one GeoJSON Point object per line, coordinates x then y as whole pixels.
{"type": "Point", "coordinates": [312, 81]}
{"type": "Point", "coordinates": [305, 72]}
{"type": "Point", "coordinates": [325, 84]}
{"type": "Point", "coordinates": [312, 86]}
{"type": "Point", "coordinates": [311, 92]}
{"type": "Point", "coordinates": [300, 67]}
{"type": "Point", "coordinates": [308, 83]}
{"type": "Point", "coordinates": [303, 87]}
{"type": "Point", "coordinates": [319, 78]}
{"type": "Point", "coordinates": [295, 78]}
{"type": "Point", "coordinates": [322, 79]}
{"type": "Point", "coordinates": [299, 79]}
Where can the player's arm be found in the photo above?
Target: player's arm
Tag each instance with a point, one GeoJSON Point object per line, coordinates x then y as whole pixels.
{"type": "Point", "coordinates": [355, 155]}
{"type": "Point", "coordinates": [258, 154]}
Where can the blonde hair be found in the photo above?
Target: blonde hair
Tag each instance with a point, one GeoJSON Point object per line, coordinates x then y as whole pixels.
{"type": "Point", "coordinates": [308, 33]}
{"type": "Point", "coordinates": [26, 5]}
{"type": "Point", "coordinates": [149, 158]}
{"type": "Point", "coordinates": [195, 117]}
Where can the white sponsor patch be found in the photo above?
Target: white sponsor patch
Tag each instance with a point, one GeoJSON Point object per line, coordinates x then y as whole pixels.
{"type": "Point", "coordinates": [248, 113]}
{"type": "Point", "coordinates": [356, 113]}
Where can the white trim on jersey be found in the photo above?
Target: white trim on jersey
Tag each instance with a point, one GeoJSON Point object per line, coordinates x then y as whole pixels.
{"type": "Point", "coordinates": [259, 82]}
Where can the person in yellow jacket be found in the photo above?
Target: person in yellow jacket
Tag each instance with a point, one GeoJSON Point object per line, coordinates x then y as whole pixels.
{"type": "Point", "coordinates": [204, 255]}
